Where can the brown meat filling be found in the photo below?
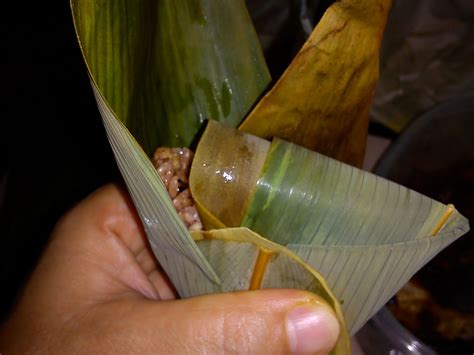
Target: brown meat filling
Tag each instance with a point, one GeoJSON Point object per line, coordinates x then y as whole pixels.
{"type": "Point", "coordinates": [173, 166]}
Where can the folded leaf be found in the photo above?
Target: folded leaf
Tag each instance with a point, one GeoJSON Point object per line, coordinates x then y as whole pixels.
{"type": "Point", "coordinates": [222, 260]}
{"type": "Point", "coordinates": [365, 234]}
{"type": "Point", "coordinates": [178, 254]}
{"type": "Point", "coordinates": [322, 100]}
{"type": "Point", "coordinates": [224, 172]}
{"type": "Point", "coordinates": [366, 277]}
{"type": "Point", "coordinates": [234, 254]}
{"type": "Point", "coordinates": [319, 200]}
{"type": "Point", "coordinates": [158, 68]}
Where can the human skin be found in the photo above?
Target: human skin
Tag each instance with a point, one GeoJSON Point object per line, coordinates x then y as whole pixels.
{"type": "Point", "coordinates": [98, 289]}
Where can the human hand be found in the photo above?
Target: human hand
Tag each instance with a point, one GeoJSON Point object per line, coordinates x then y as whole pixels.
{"type": "Point", "coordinates": [98, 289]}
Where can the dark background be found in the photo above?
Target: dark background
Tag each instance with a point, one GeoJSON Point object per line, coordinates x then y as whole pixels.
{"type": "Point", "coordinates": [54, 149]}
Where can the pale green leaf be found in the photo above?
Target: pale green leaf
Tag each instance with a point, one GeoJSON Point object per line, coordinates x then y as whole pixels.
{"type": "Point", "coordinates": [178, 254]}
{"type": "Point", "coordinates": [233, 253]}
{"type": "Point", "coordinates": [365, 277]}
{"type": "Point", "coordinates": [366, 235]}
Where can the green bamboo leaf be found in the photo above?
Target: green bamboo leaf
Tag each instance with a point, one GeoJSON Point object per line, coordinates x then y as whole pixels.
{"type": "Point", "coordinates": [365, 234]}
{"type": "Point", "coordinates": [235, 253]}
{"type": "Point", "coordinates": [326, 202]}
{"type": "Point", "coordinates": [166, 66]}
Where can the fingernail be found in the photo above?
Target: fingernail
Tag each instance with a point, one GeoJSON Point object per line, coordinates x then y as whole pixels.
{"type": "Point", "coordinates": [312, 329]}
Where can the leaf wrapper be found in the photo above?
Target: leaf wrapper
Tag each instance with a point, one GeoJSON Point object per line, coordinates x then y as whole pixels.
{"type": "Point", "coordinates": [366, 235]}
{"type": "Point", "coordinates": [322, 100]}
{"type": "Point", "coordinates": [233, 252]}
{"type": "Point", "coordinates": [134, 80]}
{"type": "Point", "coordinates": [232, 162]}
{"type": "Point", "coordinates": [131, 50]}
{"type": "Point", "coordinates": [194, 269]}
{"type": "Point", "coordinates": [173, 246]}
{"type": "Point", "coordinates": [222, 260]}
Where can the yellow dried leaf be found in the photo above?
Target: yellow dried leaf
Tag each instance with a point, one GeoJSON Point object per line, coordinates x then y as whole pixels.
{"type": "Point", "coordinates": [322, 100]}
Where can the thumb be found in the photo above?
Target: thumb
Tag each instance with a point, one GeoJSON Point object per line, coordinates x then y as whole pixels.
{"type": "Point", "coordinates": [264, 321]}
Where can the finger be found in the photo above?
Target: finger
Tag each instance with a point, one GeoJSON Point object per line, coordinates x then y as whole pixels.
{"type": "Point", "coordinates": [108, 210]}
{"type": "Point", "coordinates": [116, 212]}
{"type": "Point", "coordinates": [260, 322]}
{"type": "Point", "coordinates": [163, 285]}
{"type": "Point", "coordinates": [156, 275]}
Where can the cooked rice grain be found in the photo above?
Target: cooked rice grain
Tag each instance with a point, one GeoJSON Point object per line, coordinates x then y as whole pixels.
{"type": "Point", "coordinates": [173, 166]}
